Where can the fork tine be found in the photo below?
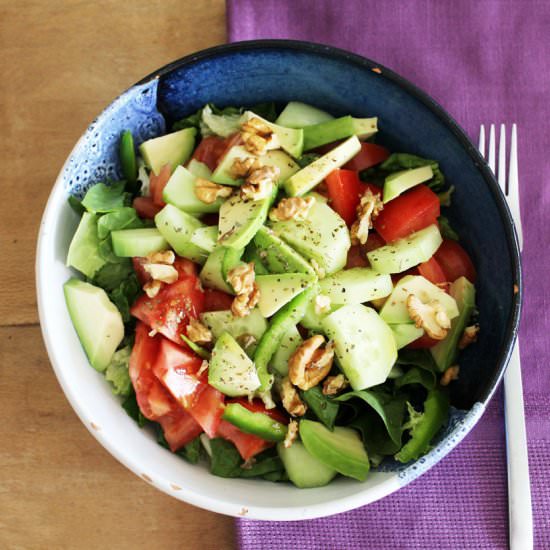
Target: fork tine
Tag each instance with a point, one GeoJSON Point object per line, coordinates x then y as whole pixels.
{"type": "Point", "coordinates": [481, 145]}
{"type": "Point", "coordinates": [502, 158]}
{"type": "Point", "coordinates": [513, 184]}
{"type": "Point", "coordinates": [492, 148]}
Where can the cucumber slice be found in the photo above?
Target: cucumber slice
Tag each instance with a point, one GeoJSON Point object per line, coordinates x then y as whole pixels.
{"type": "Point", "coordinates": [323, 236]}
{"type": "Point", "coordinates": [279, 159]}
{"type": "Point", "coordinates": [341, 449]}
{"type": "Point", "coordinates": [231, 259]}
{"type": "Point", "coordinates": [308, 177]}
{"type": "Point", "coordinates": [276, 290]}
{"type": "Point", "coordinates": [303, 469]}
{"type": "Point", "coordinates": [84, 248]}
{"type": "Point", "coordinates": [230, 369]}
{"type": "Point", "coordinates": [177, 227]}
{"type": "Point", "coordinates": [445, 352]}
{"type": "Point", "coordinates": [395, 311]}
{"type": "Point", "coordinates": [211, 274]}
{"type": "Point", "coordinates": [364, 345]}
{"type": "Point", "coordinates": [199, 169]}
{"type": "Point", "coordinates": [180, 192]}
{"type": "Point", "coordinates": [399, 182]}
{"type": "Point", "coordinates": [298, 115]}
{"type": "Point", "coordinates": [173, 149]}
{"type": "Point", "coordinates": [338, 128]}
{"type": "Point", "coordinates": [97, 321]}
{"type": "Point", "coordinates": [128, 243]}
{"type": "Point", "coordinates": [288, 345]}
{"type": "Point", "coordinates": [405, 333]}
{"type": "Point", "coordinates": [405, 253]}
{"type": "Point", "coordinates": [356, 286]}
{"type": "Point", "coordinates": [312, 320]}
{"type": "Point", "coordinates": [205, 237]}
{"type": "Point", "coordinates": [255, 423]}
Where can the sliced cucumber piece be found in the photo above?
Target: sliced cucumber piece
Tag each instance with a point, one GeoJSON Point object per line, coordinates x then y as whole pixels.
{"type": "Point", "coordinates": [364, 345]}
{"type": "Point", "coordinates": [84, 248]}
{"type": "Point", "coordinates": [178, 227]}
{"type": "Point", "coordinates": [308, 177]}
{"type": "Point", "coordinates": [405, 333]}
{"type": "Point", "coordinates": [338, 128]}
{"type": "Point", "coordinates": [276, 290]}
{"type": "Point", "coordinates": [405, 253]}
{"type": "Point", "coordinates": [128, 243]}
{"type": "Point", "coordinates": [303, 469]}
{"type": "Point", "coordinates": [96, 319]}
{"type": "Point", "coordinates": [298, 115]}
{"type": "Point", "coordinates": [279, 159]}
{"type": "Point", "coordinates": [211, 274]}
{"type": "Point", "coordinates": [205, 237]}
{"type": "Point", "coordinates": [288, 345]}
{"type": "Point", "coordinates": [356, 286]}
{"type": "Point", "coordinates": [395, 311]}
{"type": "Point", "coordinates": [173, 149]}
{"type": "Point", "coordinates": [399, 182]}
{"type": "Point", "coordinates": [199, 169]}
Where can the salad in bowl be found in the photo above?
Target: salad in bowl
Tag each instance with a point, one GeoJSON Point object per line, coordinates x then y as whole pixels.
{"type": "Point", "coordinates": [275, 293]}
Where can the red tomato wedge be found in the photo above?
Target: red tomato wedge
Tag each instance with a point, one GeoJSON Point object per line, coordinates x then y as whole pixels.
{"type": "Point", "coordinates": [209, 150]}
{"type": "Point", "coordinates": [423, 342]}
{"type": "Point", "coordinates": [146, 208]}
{"type": "Point", "coordinates": [432, 271]}
{"type": "Point", "coordinates": [177, 369]}
{"type": "Point", "coordinates": [370, 155]}
{"type": "Point", "coordinates": [170, 310]}
{"type": "Point", "coordinates": [216, 300]}
{"type": "Point", "coordinates": [248, 445]}
{"type": "Point", "coordinates": [179, 429]}
{"type": "Point", "coordinates": [454, 261]}
{"type": "Point", "coordinates": [411, 211]}
{"type": "Point", "coordinates": [158, 183]}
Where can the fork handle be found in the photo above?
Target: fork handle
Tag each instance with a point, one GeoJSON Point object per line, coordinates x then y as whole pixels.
{"type": "Point", "coordinates": [519, 488]}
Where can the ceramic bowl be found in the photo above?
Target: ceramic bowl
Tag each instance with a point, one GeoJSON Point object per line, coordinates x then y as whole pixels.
{"type": "Point", "coordinates": [342, 83]}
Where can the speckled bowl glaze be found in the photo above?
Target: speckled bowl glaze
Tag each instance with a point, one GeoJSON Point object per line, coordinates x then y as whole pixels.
{"type": "Point", "coordinates": [340, 82]}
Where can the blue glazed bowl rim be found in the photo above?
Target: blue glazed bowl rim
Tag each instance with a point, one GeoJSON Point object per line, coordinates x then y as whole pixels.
{"type": "Point", "coordinates": [338, 54]}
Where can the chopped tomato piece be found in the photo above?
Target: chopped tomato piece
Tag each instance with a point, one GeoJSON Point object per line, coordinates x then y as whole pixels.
{"type": "Point", "coordinates": [185, 267]}
{"type": "Point", "coordinates": [411, 211]}
{"type": "Point", "coordinates": [146, 208]}
{"type": "Point", "coordinates": [209, 150]}
{"type": "Point", "coordinates": [432, 271]}
{"type": "Point", "coordinates": [248, 445]}
{"type": "Point", "coordinates": [455, 262]}
{"type": "Point", "coordinates": [216, 300]}
{"type": "Point", "coordinates": [208, 409]}
{"type": "Point", "coordinates": [170, 310]}
{"type": "Point", "coordinates": [158, 183]}
{"type": "Point", "coordinates": [423, 342]}
{"type": "Point", "coordinates": [257, 406]}
{"type": "Point", "coordinates": [370, 155]}
{"type": "Point", "coordinates": [179, 429]}
{"type": "Point", "coordinates": [214, 156]}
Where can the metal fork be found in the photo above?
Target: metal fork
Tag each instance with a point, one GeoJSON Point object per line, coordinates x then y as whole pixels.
{"type": "Point", "coordinates": [519, 489]}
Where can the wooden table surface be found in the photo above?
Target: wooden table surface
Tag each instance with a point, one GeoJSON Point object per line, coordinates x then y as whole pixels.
{"type": "Point", "coordinates": [62, 62]}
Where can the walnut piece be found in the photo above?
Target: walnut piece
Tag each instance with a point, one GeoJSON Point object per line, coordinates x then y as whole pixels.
{"type": "Point", "coordinates": [163, 257]}
{"type": "Point", "coordinates": [291, 434]}
{"type": "Point", "coordinates": [431, 317]}
{"type": "Point", "coordinates": [310, 363]}
{"type": "Point", "coordinates": [243, 304]}
{"type": "Point", "coordinates": [469, 336]}
{"type": "Point", "coordinates": [260, 183]}
{"type": "Point", "coordinates": [208, 192]}
{"type": "Point", "coordinates": [291, 400]}
{"type": "Point", "coordinates": [257, 136]}
{"type": "Point", "coordinates": [246, 340]}
{"type": "Point", "coordinates": [334, 384]}
{"type": "Point", "coordinates": [369, 207]}
{"type": "Point", "coordinates": [292, 208]}
{"type": "Point", "coordinates": [322, 304]}
{"type": "Point", "coordinates": [257, 126]}
{"type": "Point", "coordinates": [198, 333]}
{"type": "Point", "coordinates": [241, 278]}
{"type": "Point", "coordinates": [152, 288]}
{"type": "Point", "coordinates": [449, 375]}
{"type": "Point", "coordinates": [161, 272]}
{"type": "Point", "coordinates": [243, 167]}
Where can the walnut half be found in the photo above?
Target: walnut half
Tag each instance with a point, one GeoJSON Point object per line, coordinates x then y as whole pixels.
{"type": "Point", "coordinates": [208, 192]}
{"type": "Point", "coordinates": [368, 209]}
{"type": "Point", "coordinates": [260, 183]}
{"type": "Point", "coordinates": [431, 317]}
{"type": "Point", "coordinates": [291, 400]}
{"type": "Point", "coordinates": [334, 384]}
{"type": "Point", "coordinates": [198, 333]}
{"type": "Point", "coordinates": [310, 363]}
{"type": "Point", "coordinates": [292, 208]}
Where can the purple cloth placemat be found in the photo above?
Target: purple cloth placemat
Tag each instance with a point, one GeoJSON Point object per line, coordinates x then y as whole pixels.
{"type": "Point", "coordinates": [484, 61]}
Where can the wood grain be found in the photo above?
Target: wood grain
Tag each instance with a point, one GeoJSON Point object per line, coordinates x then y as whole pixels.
{"type": "Point", "coordinates": [62, 62]}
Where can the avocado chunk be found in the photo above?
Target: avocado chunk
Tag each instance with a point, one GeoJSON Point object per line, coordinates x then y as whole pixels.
{"type": "Point", "coordinates": [278, 256]}
{"type": "Point", "coordinates": [308, 177]}
{"type": "Point", "coordinates": [299, 115]}
{"type": "Point", "coordinates": [399, 182]}
{"type": "Point", "coordinates": [445, 352]}
{"type": "Point", "coordinates": [323, 237]}
{"type": "Point", "coordinates": [230, 370]}
{"type": "Point", "coordinates": [172, 149]}
{"type": "Point", "coordinates": [340, 449]}
{"type": "Point", "coordinates": [96, 320]}
{"type": "Point", "coordinates": [180, 191]}
{"type": "Point", "coordinates": [290, 342]}
{"type": "Point", "coordinates": [356, 286]}
{"type": "Point", "coordinates": [255, 423]}
{"type": "Point", "coordinates": [395, 311]}
{"type": "Point", "coordinates": [405, 333]}
{"type": "Point", "coordinates": [278, 289]}
{"type": "Point", "coordinates": [303, 469]}
{"type": "Point", "coordinates": [211, 274]}
{"type": "Point", "coordinates": [205, 237]}
{"type": "Point", "coordinates": [231, 260]}
{"type": "Point", "coordinates": [84, 248]}
{"type": "Point", "coordinates": [338, 128]}
{"type": "Point", "coordinates": [405, 253]}
{"type": "Point", "coordinates": [199, 169]}
{"type": "Point", "coordinates": [177, 227]}
{"type": "Point", "coordinates": [364, 344]}
{"type": "Point", "coordinates": [128, 243]}
{"type": "Point", "coordinates": [240, 219]}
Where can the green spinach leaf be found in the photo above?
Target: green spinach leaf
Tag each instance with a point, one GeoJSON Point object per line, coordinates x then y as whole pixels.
{"type": "Point", "coordinates": [417, 358]}
{"type": "Point", "coordinates": [324, 408]}
{"type": "Point", "coordinates": [132, 409]}
{"type": "Point", "coordinates": [125, 294]}
{"type": "Point", "coordinates": [102, 198]}
{"type": "Point", "coordinates": [417, 375]}
{"type": "Point", "coordinates": [225, 460]}
{"type": "Point", "coordinates": [122, 218]}
{"type": "Point", "coordinates": [110, 276]}
{"type": "Point", "coordinates": [76, 205]}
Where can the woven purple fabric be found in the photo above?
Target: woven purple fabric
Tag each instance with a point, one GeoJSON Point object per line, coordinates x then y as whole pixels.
{"type": "Point", "coordinates": [484, 61]}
